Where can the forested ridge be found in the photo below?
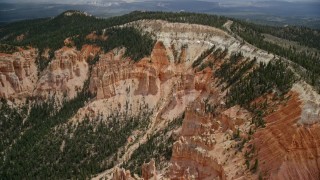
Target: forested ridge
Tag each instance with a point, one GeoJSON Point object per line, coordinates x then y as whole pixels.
{"type": "Point", "coordinates": [309, 60]}
{"type": "Point", "coordinates": [50, 33]}
{"type": "Point", "coordinates": [137, 45]}
{"type": "Point", "coordinates": [303, 35]}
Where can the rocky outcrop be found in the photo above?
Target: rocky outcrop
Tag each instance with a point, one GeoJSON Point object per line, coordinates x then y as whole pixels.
{"type": "Point", "coordinates": [233, 118]}
{"type": "Point", "coordinates": [149, 72]}
{"type": "Point", "coordinates": [149, 170]}
{"type": "Point", "coordinates": [194, 163]}
{"type": "Point", "coordinates": [18, 73]}
{"type": "Point", "coordinates": [94, 36]}
{"type": "Point", "coordinates": [110, 70]}
{"type": "Point", "coordinates": [203, 151]}
{"type": "Point", "coordinates": [148, 173]}
{"type": "Point", "coordinates": [287, 149]}
{"type": "Point", "coordinates": [196, 39]}
{"type": "Point", "coordinates": [165, 86]}
{"type": "Point", "coordinates": [121, 174]}
{"type": "Point", "coordinates": [66, 73]}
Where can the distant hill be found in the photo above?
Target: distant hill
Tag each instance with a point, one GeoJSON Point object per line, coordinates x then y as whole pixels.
{"type": "Point", "coordinates": [266, 12]}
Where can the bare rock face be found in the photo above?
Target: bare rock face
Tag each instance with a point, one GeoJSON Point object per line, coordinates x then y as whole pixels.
{"type": "Point", "coordinates": [287, 149]}
{"type": "Point", "coordinates": [204, 150]}
{"type": "Point", "coordinates": [233, 117]}
{"type": "Point", "coordinates": [157, 79]}
{"type": "Point", "coordinates": [194, 163]}
{"type": "Point", "coordinates": [148, 173]}
{"type": "Point", "coordinates": [66, 73]}
{"type": "Point", "coordinates": [191, 39]}
{"type": "Point", "coordinates": [159, 55]}
{"type": "Point", "coordinates": [18, 73]}
{"type": "Point", "coordinates": [121, 174]}
{"type": "Point", "coordinates": [111, 69]}
{"type": "Point", "coordinates": [190, 154]}
{"type": "Point", "coordinates": [164, 85]}
{"type": "Point", "coordinates": [149, 170]}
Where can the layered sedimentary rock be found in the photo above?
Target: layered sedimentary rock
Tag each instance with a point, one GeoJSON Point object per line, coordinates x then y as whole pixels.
{"type": "Point", "coordinates": [112, 69]}
{"type": "Point", "coordinates": [288, 148]}
{"type": "Point", "coordinates": [18, 73]}
{"type": "Point", "coordinates": [164, 85]}
{"type": "Point", "coordinates": [192, 39]}
{"type": "Point", "coordinates": [148, 173]}
{"type": "Point", "coordinates": [154, 80]}
{"type": "Point", "coordinates": [121, 174]}
{"type": "Point", "coordinates": [204, 149]}
{"type": "Point", "coordinates": [66, 73]}
{"type": "Point", "coordinates": [149, 170]}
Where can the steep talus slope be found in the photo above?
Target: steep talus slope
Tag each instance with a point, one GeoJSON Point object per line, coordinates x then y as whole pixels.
{"type": "Point", "coordinates": [288, 148]}
{"type": "Point", "coordinates": [284, 149]}
{"type": "Point", "coordinates": [205, 147]}
{"type": "Point", "coordinates": [201, 105]}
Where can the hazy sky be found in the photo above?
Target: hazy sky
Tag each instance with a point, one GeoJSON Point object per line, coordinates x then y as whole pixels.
{"type": "Point", "coordinates": [84, 1]}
